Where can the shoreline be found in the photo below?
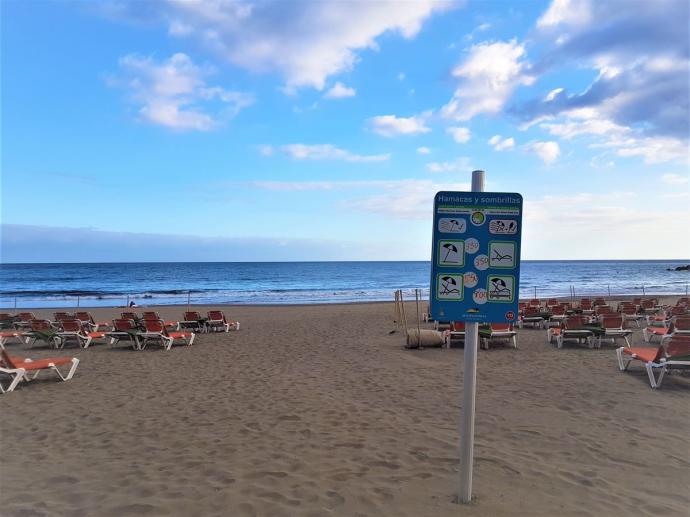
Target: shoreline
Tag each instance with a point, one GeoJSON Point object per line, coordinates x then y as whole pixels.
{"type": "Point", "coordinates": [410, 299]}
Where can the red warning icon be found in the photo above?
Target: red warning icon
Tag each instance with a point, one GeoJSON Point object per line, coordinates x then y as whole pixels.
{"type": "Point", "coordinates": [510, 315]}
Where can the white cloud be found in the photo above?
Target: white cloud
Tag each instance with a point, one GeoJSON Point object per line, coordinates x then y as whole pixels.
{"type": "Point", "coordinates": [173, 93]}
{"type": "Point", "coordinates": [460, 134]}
{"type": "Point", "coordinates": [610, 223]}
{"type": "Point", "coordinates": [404, 199]}
{"type": "Point", "coordinates": [488, 77]}
{"type": "Point", "coordinates": [461, 164]}
{"type": "Point", "coordinates": [638, 102]}
{"type": "Point", "coordinates": [306, 42]}
{"type": "Point", "coordinates": [329, 152]}
{"type": "Point", "coordinates": [624, 141]}
{"type": "Point", "coordinates": [548, 152]}
{"type": "Point", "coordinates": [566, 12]}
{"type": "Point", "coordinates": [553, 94]}
{"type": "Point", "coordinates": [423, 150]}
{"type": "Point", "coordinates": [391, 125]}
{"type": "Point", "coordinates": [340, 91]}
{"type": "Point", "coordinates": [501, 144]}
{"type": "Point", "coordinates": [674, 179]}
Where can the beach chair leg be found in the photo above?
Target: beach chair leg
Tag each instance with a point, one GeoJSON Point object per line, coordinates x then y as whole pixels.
{"type": "Point", "coordinates": [17, 377]}
{"type": "Point", "coordinates": [191, 339]}
{"type": "Point", "coordinates": [515, 342]}
{"type": "Point", "coordinates": [70, 373]}
{"type": "Point", "coordinates": [650, 373]}
{"type": "Point", "coordinates": [87, 342]}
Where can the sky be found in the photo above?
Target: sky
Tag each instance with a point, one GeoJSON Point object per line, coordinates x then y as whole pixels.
{"type": "Point", "coordinates": [276, 130]}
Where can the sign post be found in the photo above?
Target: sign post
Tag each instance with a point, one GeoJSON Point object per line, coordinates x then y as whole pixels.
{"type": "Point", "coordinates": [475, 273]}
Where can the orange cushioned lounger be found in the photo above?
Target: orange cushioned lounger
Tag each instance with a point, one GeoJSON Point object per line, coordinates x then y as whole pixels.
{"type": "Point", "coordinates": [39, 365]}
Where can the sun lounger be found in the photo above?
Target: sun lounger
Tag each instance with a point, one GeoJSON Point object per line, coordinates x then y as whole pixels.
{"type": "Point", "coordinates": [573, 327]}
{"type": "Point", "coordinates": [130, 316]}
{"type": "Point", "coordinates": [650, 306]}
{"type": "Point", "coordinates": [124, 330]}
{"type": "Point", "coordinates": [87, 318]}
{"type": "Point", "coordinates": [73, 330]}
{"type": "Point", "coordinates": [456, 331]}
{"type": "Point", "coordinates": [663, 333]}
{"type": "Point", "coordinates": [39, 365]}
{"type": "Point", "coordinates": [534, 302]}
{"type": "Point", "coordinates": [42, 330]}
{"type": "Point", "coordinates": [531, 316]}
{"type": "Point", "coordinates": [7, 335]}
{"type": "Point", "coordinates": [677, 310]}
{"type": "Point", "coordinates": [153, 316]}
{"type": "Point", "coordinates": [217, 321]}
{"type": "Point", "coordinates": [629, 313]}
{"type": "Point", "coordinates": [681, 326]}
{"type": "Point", "coordinates": [498, 331]}
{"type": "Point", "coordinates": [558, 314]}
{"type": "Point", "coordinates": [613, 329]}
{"type": "Point", "coordinates": [193, 320]}
{"type": "Point", "coordinates": [156, 331]}
{"type": "Point", "coordinates": [586, 307]}
{"type": "Point", "coordinates": [673, 355]}
{"type": "Point", "coordinates": [657, 320]}
{"type": "Point", "coordinates": [23, 320]}
{"type": "Point", "coordinates": [552, 302]}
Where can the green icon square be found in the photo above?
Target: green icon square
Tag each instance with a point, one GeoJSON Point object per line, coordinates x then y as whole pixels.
{"type": "Point", "coordinates": [450, 249]}
{"type": "Point", "coordinates": [502, 254]}
{"type": "Point", "coordinates": [500, 288]}
{"type": "Point", "coordinates": [449, 287]}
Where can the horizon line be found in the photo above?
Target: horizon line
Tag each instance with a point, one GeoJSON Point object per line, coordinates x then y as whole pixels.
{"type": "Point", "coordinates": [322, 261]}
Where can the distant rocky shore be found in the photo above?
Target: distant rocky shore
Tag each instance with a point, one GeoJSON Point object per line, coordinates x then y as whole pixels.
{"type": "Point", "coordinates": [679, 268]}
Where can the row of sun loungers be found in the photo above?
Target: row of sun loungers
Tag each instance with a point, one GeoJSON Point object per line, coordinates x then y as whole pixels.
{"type": "Point", "coordinates": [593, 322]}
{"type": "Point", "coordinates": [81, 329]}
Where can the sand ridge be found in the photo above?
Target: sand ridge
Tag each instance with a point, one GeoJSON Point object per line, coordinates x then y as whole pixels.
{"type": "Point", "coordinates": [317, 410]}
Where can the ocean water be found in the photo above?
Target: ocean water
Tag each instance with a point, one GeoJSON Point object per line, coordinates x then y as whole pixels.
{"type": "Point", "coordinates": [59, 285]}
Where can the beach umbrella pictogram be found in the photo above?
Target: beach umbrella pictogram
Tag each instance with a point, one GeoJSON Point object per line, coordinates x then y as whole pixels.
{"type": "Point", "coordinates": [450, 248]}
{"type": "Point", "coordinates": [448, 285]}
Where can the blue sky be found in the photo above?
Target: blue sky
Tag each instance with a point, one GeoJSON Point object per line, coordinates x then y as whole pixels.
{"type": "Point", "coordinates": [321, 130]}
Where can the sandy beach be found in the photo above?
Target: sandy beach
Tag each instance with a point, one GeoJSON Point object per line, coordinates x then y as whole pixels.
{"type": "Point", "coordinates": [318, 410]}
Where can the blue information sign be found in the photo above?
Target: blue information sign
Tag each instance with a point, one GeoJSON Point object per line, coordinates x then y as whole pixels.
{"type": "Point", "coordinates": [475, 257]}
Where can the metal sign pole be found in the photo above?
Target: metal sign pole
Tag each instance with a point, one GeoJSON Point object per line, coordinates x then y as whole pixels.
{"type": "Point", "coordinates": [469, 388]}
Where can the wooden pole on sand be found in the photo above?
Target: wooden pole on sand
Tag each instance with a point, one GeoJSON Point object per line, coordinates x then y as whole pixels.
{"type": "Point", "coordinates": [417, 296]}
